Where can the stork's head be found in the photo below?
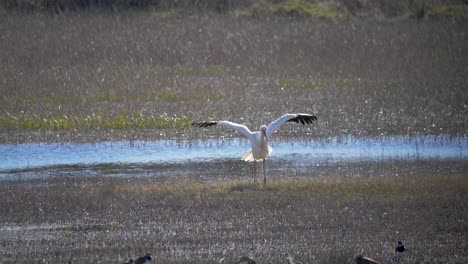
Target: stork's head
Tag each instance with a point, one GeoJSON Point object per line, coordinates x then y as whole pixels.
{"type": "Point", "coordinates": [263, 130]}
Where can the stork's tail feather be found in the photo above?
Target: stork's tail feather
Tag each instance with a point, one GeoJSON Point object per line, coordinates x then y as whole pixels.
{"type": "Point", "coordinates": [248, 156]}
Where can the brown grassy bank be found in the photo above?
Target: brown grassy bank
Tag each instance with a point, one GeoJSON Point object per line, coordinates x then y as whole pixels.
{"type": "Point", "coordinates": [321, 220]}
{"type": "Point", "coordinates": [93, 76]}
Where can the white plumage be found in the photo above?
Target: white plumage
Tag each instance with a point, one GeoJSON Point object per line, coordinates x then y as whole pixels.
{"type": "Point", "coordinates": [259, 139]}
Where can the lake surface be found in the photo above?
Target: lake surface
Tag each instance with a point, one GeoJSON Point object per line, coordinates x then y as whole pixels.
{"type": "Point", "coordinates": [299, 153]}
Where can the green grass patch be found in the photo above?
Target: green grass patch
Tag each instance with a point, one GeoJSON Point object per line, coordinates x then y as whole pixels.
{"type": "Point", "coordinates": [448, 10]}
{"type": "Point", "coordinates": [203, 96]}
{"type": "Point", "coordinates": [316, 83]}
{"type": "Point", "coordinates": [109, 97]}
{"type": "Point", "coordinates": [294, 8]}
{"type": "Point", "coordinates": [93, 121]}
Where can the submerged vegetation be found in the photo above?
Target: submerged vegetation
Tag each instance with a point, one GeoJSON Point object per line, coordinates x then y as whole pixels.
{"type": "Point", "coordinates": [108, 219]}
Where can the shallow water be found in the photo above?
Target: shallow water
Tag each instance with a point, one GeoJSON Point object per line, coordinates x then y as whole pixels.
{"type": "Point", "coordinates": [123, 157]}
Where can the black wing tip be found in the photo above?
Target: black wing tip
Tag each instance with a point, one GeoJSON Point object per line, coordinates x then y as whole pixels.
{"type": "Point", "coordinates": [204, 124]}
{"type": "Point", "coordinates": [303, 119]}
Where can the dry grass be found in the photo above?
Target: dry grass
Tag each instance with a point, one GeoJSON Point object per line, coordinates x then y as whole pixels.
{"type": "Point", "coordinates": [321, 220]}
{"type": "Point", "coordinates": [359, 77]}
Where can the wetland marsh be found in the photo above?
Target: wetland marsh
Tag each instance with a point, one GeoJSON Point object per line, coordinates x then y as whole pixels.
{"type": "Point", "coordinates": [99, 164]}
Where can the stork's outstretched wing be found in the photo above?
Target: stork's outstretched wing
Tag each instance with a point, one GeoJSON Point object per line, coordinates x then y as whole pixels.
{"type": "Point", "coordinates": [298, 118]}
{"type": "Point", "coordinates": [241, 128]}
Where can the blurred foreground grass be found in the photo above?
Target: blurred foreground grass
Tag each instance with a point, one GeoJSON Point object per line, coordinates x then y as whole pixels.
{"type": "Point", "coordinates": [319, 220]}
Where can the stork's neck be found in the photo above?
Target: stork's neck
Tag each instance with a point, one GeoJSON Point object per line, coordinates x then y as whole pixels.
{"type": "Point", "coordinates": [263, 135]}
{"type": "Point", "coordinates": [263, 138]}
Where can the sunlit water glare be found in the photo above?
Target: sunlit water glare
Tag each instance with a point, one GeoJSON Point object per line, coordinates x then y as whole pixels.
{"type": "Point", "coordinates": [302, 153]}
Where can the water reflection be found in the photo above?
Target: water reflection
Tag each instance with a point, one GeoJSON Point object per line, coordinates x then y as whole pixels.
{"type": "Point", "coordinates": [125, 157]}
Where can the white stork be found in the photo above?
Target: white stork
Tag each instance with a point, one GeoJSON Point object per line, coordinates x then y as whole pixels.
{"type": "Point", "coordinates": [259, 139]}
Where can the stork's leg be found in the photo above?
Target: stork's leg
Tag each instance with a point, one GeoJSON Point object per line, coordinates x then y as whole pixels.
{"type": "Point", "coordinates": [264, 175]}
{"type": "Point", "coordinates": [254, 172]}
